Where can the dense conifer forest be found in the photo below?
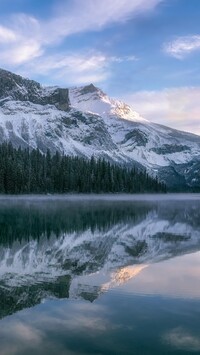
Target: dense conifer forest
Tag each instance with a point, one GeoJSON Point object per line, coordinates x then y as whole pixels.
{"type": "Point", "coordinates": [24, 171]}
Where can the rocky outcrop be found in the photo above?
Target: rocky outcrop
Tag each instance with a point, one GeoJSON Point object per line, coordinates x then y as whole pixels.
{"type": "Point", "coordinates": [15, 87]}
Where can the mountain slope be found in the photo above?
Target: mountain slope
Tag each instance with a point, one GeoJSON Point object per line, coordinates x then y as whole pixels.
{"type": "Point", "coordinates": [160, 149]}
{"type": "Point", "coordinates": [85, 121]}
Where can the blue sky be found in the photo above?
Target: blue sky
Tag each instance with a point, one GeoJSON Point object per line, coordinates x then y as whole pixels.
{"type": "Point", "coordinates": [145, 52]}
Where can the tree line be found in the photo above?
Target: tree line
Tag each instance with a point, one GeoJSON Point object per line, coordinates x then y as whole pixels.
{"type": "Point", "coordinates": [24, 171]}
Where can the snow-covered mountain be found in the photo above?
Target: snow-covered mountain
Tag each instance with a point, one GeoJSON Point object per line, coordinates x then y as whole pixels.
{"type": "Point", "coordinates": [85, 121]}
{"type": "Point", "coordinates": [85, 263]}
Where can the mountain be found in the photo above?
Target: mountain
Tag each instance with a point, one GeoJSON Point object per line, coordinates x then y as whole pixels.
{"type": "Point", "coordinates": [85, 121]}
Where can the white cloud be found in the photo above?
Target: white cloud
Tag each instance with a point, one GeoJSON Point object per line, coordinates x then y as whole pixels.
{"type": "Point", "coordinates": [73, 68]}
{"type": "Point", "coordinates": [22, 53]}
{"type": "Point", "coordinates": [22, 42]}
{"type": "Point", "coordinates": [176, 107]}
{"type": "Point", "coordinates": [7, 35]}
{"type": "Point", "coordinates": [182, 46]}
{"type": "Point", "coordinates": [70, 68]}
{"type": "Point", "coordinates": [129, 58]}
{"type": "Point", "coordinates": [32, 37]}
{"type": "Point", "coordinates": [94, 15]}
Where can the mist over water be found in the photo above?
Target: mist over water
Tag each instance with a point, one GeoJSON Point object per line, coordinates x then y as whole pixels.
{"type": "Point", "coordinates": [89, 274]}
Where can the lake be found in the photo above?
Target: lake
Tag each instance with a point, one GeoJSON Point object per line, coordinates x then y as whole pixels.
{"type": "Point", "coordinates": [100, 275]}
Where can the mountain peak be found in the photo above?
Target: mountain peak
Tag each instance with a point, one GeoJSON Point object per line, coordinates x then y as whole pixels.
{"type": "Point", "coordinates": [92, 99]}
{"type": "Point", "coordinates": [89, 89]}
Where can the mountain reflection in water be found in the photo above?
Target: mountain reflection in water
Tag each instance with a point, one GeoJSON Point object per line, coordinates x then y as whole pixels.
{"type": "Point", "coordinates": [73, 249]}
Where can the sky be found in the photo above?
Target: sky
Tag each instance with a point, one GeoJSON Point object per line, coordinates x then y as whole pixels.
{"type": "Point", "coordinates": [144, 52]}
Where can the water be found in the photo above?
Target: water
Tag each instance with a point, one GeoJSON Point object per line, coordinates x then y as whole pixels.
{"type": "Point", "coordinates": [100, 276]}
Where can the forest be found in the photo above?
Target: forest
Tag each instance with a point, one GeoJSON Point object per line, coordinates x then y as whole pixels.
{"type": "Point", "coordinates": [28, 171]}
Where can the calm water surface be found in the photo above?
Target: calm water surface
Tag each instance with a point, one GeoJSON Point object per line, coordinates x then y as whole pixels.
{"type": "Point", "coordinates": [108, 276]}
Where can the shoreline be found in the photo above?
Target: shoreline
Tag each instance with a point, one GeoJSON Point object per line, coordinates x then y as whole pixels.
{"type": "Point", "coordinates": [104, 197]}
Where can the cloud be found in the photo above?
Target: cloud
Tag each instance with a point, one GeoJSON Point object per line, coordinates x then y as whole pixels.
{"type": "Point", "coordinates": [93, 15]}
{"type": "Point", "coordinates": [22, 42]}
{"type": "Point", "coordinates": [28, 37]}
{"type": "Point", "coordinates": [176, 107]}
{"type": "Point", "coordinates": [128, 58]}
{"type": "Point", "coordinates": [182, 46]}
{"type": "Point", "coordinates": [23, 53]}
{"type": "Point", "coordinates": [74, 68]}
{"type": "Point", "coordinates": [69, 68]}
{"type": "Point", "coordinates": [7, 35]}
{"type": "Point", "coordinates": [79, 62]}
